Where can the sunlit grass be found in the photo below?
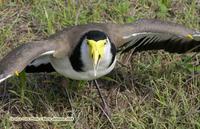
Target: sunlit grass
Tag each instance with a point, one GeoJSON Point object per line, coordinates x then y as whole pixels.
{"type": "Point", "coordinates": [153, 89]}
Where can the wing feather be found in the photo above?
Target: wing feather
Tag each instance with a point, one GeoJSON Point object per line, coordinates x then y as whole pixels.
{"type": "Point", "coordinates": [155, 35]}
{"type": "Point", "coordinates": [168, 43]}
{"type": "Point", "coordinates": [21, 56]}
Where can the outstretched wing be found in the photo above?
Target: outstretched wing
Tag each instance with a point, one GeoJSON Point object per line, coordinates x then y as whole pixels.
{"type": "Point", "coordinates": [155, 34]}
{"type": "Point", "coordinates": [20, 57]}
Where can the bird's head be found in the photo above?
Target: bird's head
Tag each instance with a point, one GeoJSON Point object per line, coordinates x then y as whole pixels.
{"type": "Point", "coordinates": [99, 46]}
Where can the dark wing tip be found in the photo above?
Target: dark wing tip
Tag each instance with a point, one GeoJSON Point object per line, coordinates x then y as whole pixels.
{"type": "Point", "coordinates": [40, 68]}
{"type": "Point", "coordinates": [172, 45]}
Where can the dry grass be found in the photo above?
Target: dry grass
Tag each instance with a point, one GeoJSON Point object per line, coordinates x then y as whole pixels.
{"type": "Point", "coordinates": [153, 89]}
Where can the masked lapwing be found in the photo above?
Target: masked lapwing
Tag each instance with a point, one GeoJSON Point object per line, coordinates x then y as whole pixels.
{"type": "Point", "coordinates": [87, 52]}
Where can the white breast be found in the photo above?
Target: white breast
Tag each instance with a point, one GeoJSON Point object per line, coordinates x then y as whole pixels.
{"type": "Point", "coordinates": [64, 67]}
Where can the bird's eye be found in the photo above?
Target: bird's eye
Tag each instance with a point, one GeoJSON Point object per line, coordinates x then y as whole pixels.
{"type": "Point", "coordinates": [105, 43]}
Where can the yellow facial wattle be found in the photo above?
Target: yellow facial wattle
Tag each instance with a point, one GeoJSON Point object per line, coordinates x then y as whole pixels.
{"type": "Point", "coordinates": [96, 50]}
{"type": "Point", "coordinates": [189, 36]}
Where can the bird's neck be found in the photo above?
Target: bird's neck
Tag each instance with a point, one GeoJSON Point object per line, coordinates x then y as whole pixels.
{"type": "Point", "coordinates": [81, 62]}
{"type": "Point", "coordinates": [76, 60]}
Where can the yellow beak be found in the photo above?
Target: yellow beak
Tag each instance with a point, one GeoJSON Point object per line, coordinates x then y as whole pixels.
{"type": "Point", "coordinates": [96, 59]}
{"type": "Point", "coordinates": [96, 51]}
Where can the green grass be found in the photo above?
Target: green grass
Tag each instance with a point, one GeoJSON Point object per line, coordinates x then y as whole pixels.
{"type": "Point", "coordinates": [153, 89]}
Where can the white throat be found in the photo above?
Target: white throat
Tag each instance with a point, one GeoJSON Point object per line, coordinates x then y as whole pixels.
{"type": "Point", "coordinates": [64, 67]}
{"type": "Point", "coordinates": [88, 62]}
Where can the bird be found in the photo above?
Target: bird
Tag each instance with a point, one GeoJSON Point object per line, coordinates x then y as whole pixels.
{"type": "Point", "coordinates": [90, 51]}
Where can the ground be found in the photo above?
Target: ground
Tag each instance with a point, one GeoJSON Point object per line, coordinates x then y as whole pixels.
{"type": "Point", "coordinates": [151, 89]}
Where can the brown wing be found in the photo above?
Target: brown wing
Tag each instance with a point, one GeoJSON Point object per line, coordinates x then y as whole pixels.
{"type": "Point", "coordinates": [154, 35]}
{"type": "Point", "coordinates": [20, 57]}
{"type": "Point", "coordinates": [60, 44]}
